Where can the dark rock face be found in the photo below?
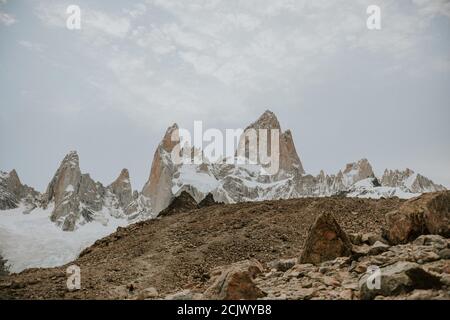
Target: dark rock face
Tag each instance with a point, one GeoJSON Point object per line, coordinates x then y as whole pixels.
{"type": "Point", "coordinates": [207, 201]}
{"type": "Point", "coordinates": [326, 241]}
{"type": "Point", "coordinates": [13, 192]}
{"type": "Point", "coordinates": [427, 214]}
{"type": "Point", "coordinates": [182, 203]}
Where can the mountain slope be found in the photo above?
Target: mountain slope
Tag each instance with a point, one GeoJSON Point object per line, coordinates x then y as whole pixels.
{"type": "Point", "coordinates": [169, 252]}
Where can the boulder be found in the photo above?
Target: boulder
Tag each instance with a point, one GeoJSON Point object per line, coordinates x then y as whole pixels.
{"type": "Point", "coordinates": [326, 241]}
{"type": "Point", "coordinates": [235, 282]}
{"type": "Point", "coordinates": [282, 264]}
{"type": "Point", "coordinates": [398, 278]}
{"type": "Point", "coordinates": [426, 214]}
{"type": "Point", "coordinates": [370, 238]}
{"type": "Point", "coordinates": [148, 293]}
{"type": "Point", "coordinates": [377, 248]}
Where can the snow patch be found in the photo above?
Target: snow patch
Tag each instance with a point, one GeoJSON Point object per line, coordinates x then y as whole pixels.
{"type": "Point", "coordinates": [33, 241]}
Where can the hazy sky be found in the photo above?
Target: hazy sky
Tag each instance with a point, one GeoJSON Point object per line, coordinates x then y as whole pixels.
{"type": "Point", "coordinates": [111, 89]}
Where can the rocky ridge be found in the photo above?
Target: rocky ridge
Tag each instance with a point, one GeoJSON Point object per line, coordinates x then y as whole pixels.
{"type": "Point", "coordinates": [13, 192]}
{"type": "Point", "coordinates": [182, 264]}
{"type": "Point", "coordinates": [233, 183]}
{"type": "Point", "coordinates": [74, 198]}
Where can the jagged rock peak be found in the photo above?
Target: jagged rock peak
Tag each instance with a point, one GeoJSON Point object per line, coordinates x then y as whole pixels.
{"type": "Point", "coordinates": [123, 176]}
{"type": "Point", "coordinates": [13, 175]}
{"type": "Point", "coordinates": [289, 159]}
{"type": "Point", "coordinates": [357, 171]}
{"type": "Point", "coordinates": [410, 181]}
{"type": "Point", "coordinates": [171, 138]}
{"type": "Point", "coordinates": [362, 166]}
{"type": "Point", "coordinates": [73, 157]}
{"type": "Point", "coordinates": [158, 187]}
{"type": "Point", "coordinates": [123, 180]}
{"type": "Point", "coordinates": [13, 192]}
{"type": "Point", "coordinates": [268, 120]}
{"type": "Point", "coordinates": [121, 187]}
{"type": "Point", "coordinates": [395, 178]}
{"type": "Point", "coordinates": [13, 182]}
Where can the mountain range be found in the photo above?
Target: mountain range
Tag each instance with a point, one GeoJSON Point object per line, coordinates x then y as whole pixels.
{"type": "Point", "coordinates": [73, 199]}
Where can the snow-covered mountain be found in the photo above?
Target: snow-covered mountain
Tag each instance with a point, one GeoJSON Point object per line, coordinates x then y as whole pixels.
{"type": "Point", "coordinates": [33, 226]}
{"type": "Point", "coordinates": [236, 182]}
{"type": "Point", "coordinates": [76, 199]}
{"type": "Point", "coordinates": [14, 194]}
{"type": "Point", "coordinates": [73, 198]}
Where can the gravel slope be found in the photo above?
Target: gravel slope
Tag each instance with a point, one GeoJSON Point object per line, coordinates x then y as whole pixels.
{"type": "Point", "coordinates": [177, 251]}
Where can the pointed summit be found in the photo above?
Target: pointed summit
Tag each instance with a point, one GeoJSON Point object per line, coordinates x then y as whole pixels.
{"type": "Point", "coordinates": [12, 192]}
{"type": "Point", "coordinates": [158, 187]}
{"type": "Point", "coordinates": [357, 171]}
{"type": "Point", "coordinates": [67, 177]}
{"type": "Point", "coordinates": [289, 160]}
{"type": "Point", "coordinates": [75, 196]}
{"type": "Point", "coordinates": [268, 120]}
{"type": "Point", "coordinates": [121, 188]}
{"type": "Point", "coordinates": [14, 184]}
{"type": "Point", "coordinates": [171, 138]}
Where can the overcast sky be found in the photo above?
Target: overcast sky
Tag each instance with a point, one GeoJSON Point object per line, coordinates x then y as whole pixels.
{"type": "Point", "coordinates": [111, 89]}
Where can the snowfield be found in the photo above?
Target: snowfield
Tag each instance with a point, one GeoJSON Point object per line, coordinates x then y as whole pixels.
{"type": "Point", "coordinates": [32, 240]}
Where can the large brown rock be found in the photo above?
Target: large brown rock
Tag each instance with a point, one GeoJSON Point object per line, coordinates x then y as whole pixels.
{"type": "Point", "coordinates": [397, 278]}
{"type": "Point", "coordinates": [235, 282]}
{"type": "Point", "coordinates": [426, 214]}
{"type": "Point", "coordinates": [326, 241]}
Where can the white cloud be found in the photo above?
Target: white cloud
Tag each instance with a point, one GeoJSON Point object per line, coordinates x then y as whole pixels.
{"type": "Point", "coordinates": [96, 25]}
{"type": "Point", "coordinates": [31, 45]}
{"type": "Point", "coordinates": [7, 19]}
{"type": "Point", "coordinates": [181, 55]}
